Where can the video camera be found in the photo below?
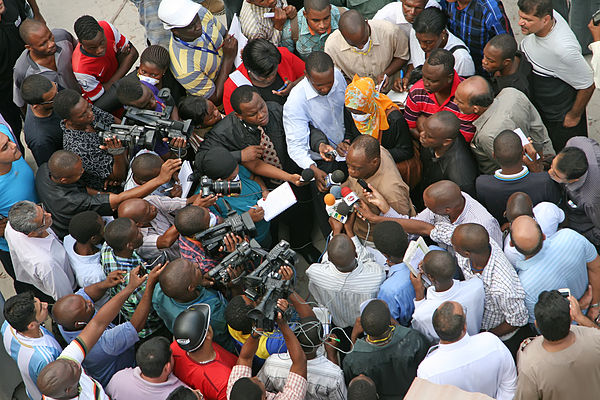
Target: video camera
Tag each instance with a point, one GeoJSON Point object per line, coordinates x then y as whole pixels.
{"type": "Point", "coordinates": [245, 254]}
{"type": "Point", "coordinates": [265, 282]}
{"type": "Point", "coordinates": [143, 128]}
{"type": "Point", "coordinates": [240, 225]}
{"type": "Point", "coordinates": [226, 188]}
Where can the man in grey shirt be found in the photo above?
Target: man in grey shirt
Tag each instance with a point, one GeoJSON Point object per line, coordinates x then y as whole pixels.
{"type": "Point", "coordinates": [511, 109]}
{"type": "Point", "coordinates": [47, 53]}
{"type": "Point", "coordinates": [576, 169]}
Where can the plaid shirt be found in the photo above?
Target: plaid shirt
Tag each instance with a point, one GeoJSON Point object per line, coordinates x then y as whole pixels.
{"type": "Point", "coordinates": [294, 389]}
{"type": "Point", "coordinates": [476, 24]}
{"type": "Point", "coordinates": [111, 262]}
{"type": "Point", "coordinates": [192, 250]}
{"type": "Point", "coordinates": [504, 294]}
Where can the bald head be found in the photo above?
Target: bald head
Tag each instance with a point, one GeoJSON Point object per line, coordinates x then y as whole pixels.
{"type": "Point", "coordinates": [449, 321]}
{"type": "Point", "coordinates": [59, 379]}
{"type": "Point", "coordinates": [443, 125]}
{"type": "Point", "coordinates": [440, 265]}
{"type": "Point", "coordinates": [177, 277]}
{"type": "Point", "coordinates": [472, 238]}
{"type": "Point", "coordinates": [133, 208]}
{"type": "Point", "coordinates": [62, 163]}
{"type": "Point", "coordinates": [518, 204]}
{"type": "Point", "coordinates": [442, 195]}
{"type": "Point", "coordinates": [31, 27]}
{"type": "Point", "coordinates": [474, 95]}
{"type": "Point", "coordinates": [341, 253]}
{"type": "Point", "coordinates": [70, 311]}
{"type": "Point", "coordinates": [351, 22]}
{"type": "Point", "coordinates": [526, 235]}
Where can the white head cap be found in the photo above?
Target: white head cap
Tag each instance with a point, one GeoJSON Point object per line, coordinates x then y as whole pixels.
{"type": "Point", "coordinates": [177, 13]}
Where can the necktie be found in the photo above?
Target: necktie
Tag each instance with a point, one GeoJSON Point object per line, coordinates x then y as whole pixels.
{"type": "Point", "coordinates": [269, 153]}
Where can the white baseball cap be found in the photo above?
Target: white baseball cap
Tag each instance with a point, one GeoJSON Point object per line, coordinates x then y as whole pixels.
{"type": "Point", "coordinates": [177, 13]}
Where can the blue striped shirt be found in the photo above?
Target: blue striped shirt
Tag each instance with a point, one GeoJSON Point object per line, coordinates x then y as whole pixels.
{"type": "Point", "coordinates": [562, 263]}
{"type": "Point", "coordinates": [476, 24]}
{"type": "Point", "coordinates": [31, 355]}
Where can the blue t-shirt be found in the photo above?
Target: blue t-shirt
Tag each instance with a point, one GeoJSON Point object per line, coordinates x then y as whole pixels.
{"type": "Point", "coordinates": [17, 185]}
{"type": "Point", "coordinates": [168, 309]}
{"type": "Point", "coordinates": [113, 352]}
{"type": "Point", "coordinates": [398, 292]}
{"type": "Point", "coordinates": [251, 193]}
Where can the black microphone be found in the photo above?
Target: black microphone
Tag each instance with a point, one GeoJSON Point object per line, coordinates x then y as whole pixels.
{"type": "Point", "coordinates": [307, 175]}
{"type": "Point", "coordinates": [335, 177]}
{"type": "Point", "coordinates": [344, 209]}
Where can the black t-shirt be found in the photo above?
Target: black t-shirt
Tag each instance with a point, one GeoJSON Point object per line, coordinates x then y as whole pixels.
{"type": "Point", "coordinates": [493, 193]}
{"type": "Point", "coordinates": [65, 201]}
{"type": "Point", "coordinates": [11, 44]}
{"type": "Point", "coordinates": [267, 92]}
{"type": "Point", "coordinates": [43, 136]}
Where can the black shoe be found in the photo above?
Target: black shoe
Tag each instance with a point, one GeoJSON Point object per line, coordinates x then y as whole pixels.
{"type": "Point", "coordinates": [310, 253]}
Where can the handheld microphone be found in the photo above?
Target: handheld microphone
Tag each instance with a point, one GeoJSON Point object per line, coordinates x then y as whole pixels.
{"type": "Point", "coordinates": [307, 175]}
{"type": "Point", "coordinates": [336, 190]}
{"type": "Point", "coordinates": [350, 198]}
{"type": "Point", "coordinates": [335, 177]}
{"type": "Point", "coordinates": [344, 209]}
{"type": "Point", "coordinates": [330, 206]}
{"type": "Point", "coordinates": [364, 185]}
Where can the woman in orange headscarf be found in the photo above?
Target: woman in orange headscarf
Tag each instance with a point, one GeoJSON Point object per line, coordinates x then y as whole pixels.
{"type": "Point", "coordinates": [376, 115]}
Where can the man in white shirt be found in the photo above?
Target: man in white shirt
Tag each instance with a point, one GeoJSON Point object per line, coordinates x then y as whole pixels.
{"type": "Point", "coordinates": [317, 100]}
{"type": "Point", "coordinates": [39, 257]}
{"type": "Point", "coordinates": [324, 376]}
{"type": "Point", "coordinates": [429, 32]}
{"type": "Point", "coordinates": [347, 277]}
{"type": "Point", "coordinates": [403, 13]}
{"type": "Point", "coordinates": [479, 363]}
{"type": "Point", "coordinates": [26, 340]}
{"type": "Point", "coordinates": [548, 216]}
{"type": "Point", "coordinates": [562, 80]}
{"type": "Point", "coordinates": [439, 266]}
{"type": "Point", "coordinates": [86, 235]}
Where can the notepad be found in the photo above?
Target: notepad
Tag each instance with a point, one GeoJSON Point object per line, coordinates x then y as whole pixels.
{"type": "Point", "coordinates": [279, 200]}
{"type": "Point", "coordinates": [184, 173]}
{"type": "Point", "coordinates": [415, 253]}
{"type": "Point", "coordinates": [398, 97]}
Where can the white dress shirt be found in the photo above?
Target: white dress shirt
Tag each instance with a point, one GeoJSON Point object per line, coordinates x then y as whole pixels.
{"type": "Point", "coordinates": [342, 293]}
{"type": "Point", "coordinates": [548, 216]}
{"type": "Point", "coordinates": [393, 13]}
{"type": "Point", "coordinates": [303, 106]}
{"type": "Point", "coordinates": [470, 294]}
{"type": "Point", "coordinates": [42, 262]}
{"type": "Point", "coordinates": [480, 363]}
{"type": "Point", "coordinates": [325, 379]}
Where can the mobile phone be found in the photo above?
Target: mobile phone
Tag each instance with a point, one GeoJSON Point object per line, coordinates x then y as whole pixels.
{"type": "Point", "coordinates": [364, 185]}
{"type": "Point", "coordinates": [565, 292]}
{"type": "Point", "coordinates": [596, 18]}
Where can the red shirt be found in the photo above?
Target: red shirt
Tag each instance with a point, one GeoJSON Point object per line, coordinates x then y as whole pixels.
{"type": "Point", "coordinates": [291, 68]}
{"type": "Point", "coordinates": [421, 102]}
{"type": "Point", "coordinates": [91, 72]}
{"type": "Point", "coordinates": [210, 378]}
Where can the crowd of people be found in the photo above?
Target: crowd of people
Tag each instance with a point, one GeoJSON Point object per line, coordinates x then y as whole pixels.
{"type": "Point", "coordinates": [446, 165]}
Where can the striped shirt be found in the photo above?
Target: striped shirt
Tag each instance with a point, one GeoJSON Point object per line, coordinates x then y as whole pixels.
{"type": "Point", "coordinates": [255, 25]}
{"type": "Point", "coordinates": [295, 385]}
{"type": "Point", "coordinates": [421, 102]}
{"type": "Point", "coordinates": [195, 65]}
{"type": "Point", "coordinates": [477, 23]}
{"type": "Point", "coordinates": [342, 293]}
{"type": "Point", "coordinates": [504, 295]}
{"type": "Point", "coordinates": [325, 379]}
{"type": "Point", "coordinates": [89, 388]}
{"type": "Point", "coordinates": [562, 263]}
{"type": "Point", "coordinates": [31, 355]}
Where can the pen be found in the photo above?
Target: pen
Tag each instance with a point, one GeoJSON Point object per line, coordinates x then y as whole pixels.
{"type": "Point", "coordinates": [169, 189]}
{"type": "Point", "coordinates": [285, 85]}
{"type": "Point", "coordinates": [527, 155]}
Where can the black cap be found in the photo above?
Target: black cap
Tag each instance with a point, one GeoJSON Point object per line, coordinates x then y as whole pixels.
{"type": "Point", "coordinates": [218, 163]}
{"type": "Point", "coordinates": [191, 326]}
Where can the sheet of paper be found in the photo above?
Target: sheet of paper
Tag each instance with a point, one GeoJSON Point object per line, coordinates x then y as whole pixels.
{"type": "Point", "coordinates": [524, 140]}
{"type": "Point", "coordinates": [398, 97]}
{"type": "Point", "coordinates": [236, 31]}
{"type": "Point", "coordinates": [184, 173]}
{"type": "Point", "coordinates": [278, 201]}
